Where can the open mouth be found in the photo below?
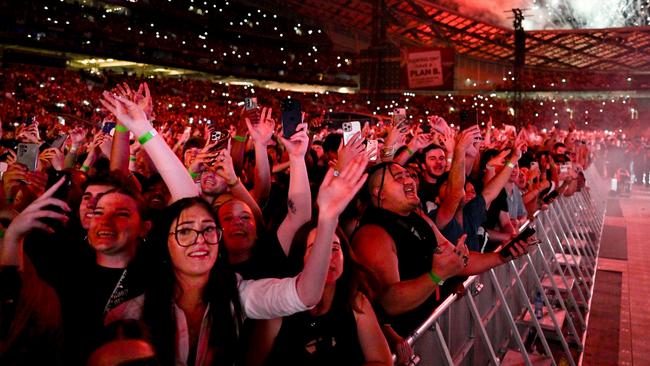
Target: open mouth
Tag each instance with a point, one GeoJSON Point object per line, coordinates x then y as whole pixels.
{"type": "Point", "coordinates": [199, 254]}
{"type": "Point", "coordinates": [106, 234]}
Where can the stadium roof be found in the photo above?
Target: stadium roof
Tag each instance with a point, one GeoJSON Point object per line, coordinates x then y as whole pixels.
{"type": "Point", "coordinates": [421, 22]}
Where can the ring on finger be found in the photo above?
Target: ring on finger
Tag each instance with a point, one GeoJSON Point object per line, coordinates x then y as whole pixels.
{"type": "Point", "coordinates": [336, 173]}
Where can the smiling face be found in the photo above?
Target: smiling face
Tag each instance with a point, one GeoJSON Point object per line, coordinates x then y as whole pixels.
{"type": "Point", "coordinates": [335, 269]}
{"type": "Point", "coordinates": [195, 259]}
{"type": "Point", "coordinates": [212, 184]}
{"type": "Point", "coordinates": [434, 163]}
{"type": "Point", "coordinates": [116, 225]}
{"type": "Point", "coordinates": [239, 229]}
{"type": "Point", "coordinates": [88, 201]}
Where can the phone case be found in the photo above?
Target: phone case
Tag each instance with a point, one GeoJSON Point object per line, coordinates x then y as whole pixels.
{"type": "Point", "coordinates": [27, 155]}
{"type": "Point", "coordinates": [349, 129]}
{"type": "Point", "coordinates": [371, 148]}
{"type": "Point", "coordinates": [291, 116]}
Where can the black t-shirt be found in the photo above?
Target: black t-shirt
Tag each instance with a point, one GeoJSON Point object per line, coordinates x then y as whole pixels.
{"type": "Point", "coordinates": [67, 263]}
{"type": "Point", "coordinates": [499, 204]}
{"type": "Point", "coordinates": [267, 260]}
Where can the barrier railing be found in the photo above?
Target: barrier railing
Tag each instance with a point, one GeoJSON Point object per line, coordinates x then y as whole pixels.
{"type": "Point", "coordinates": [496, 320]}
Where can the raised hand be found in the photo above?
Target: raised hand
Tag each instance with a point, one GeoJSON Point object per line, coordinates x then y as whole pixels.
{"type": "Point", "coordinates": [205, 156]}
{"type": "Point", "coordinates": [53, 156]}
{"type": "Point", "coordinates": [29, 134]}
{"type": "Point", "coordinates": [261, 131]}
{"type": "Point", "coordinates": [128, 113]}
{"type": "Point", "coordinates": [499, 159]}
{"type": "Point", "coordinates": [448, 260]}
{"type": "Point", "coordinates": [297, 144]}
{"type": "Point", "coordinates": [340, 186]}
{"type": "Point", "coordinates": [419, 142]}
{"type": "Point", "coordinates": [396, 135]}
{"type": "Point", "coordinates": [15, 175]}
{"type": "Point", "coordinates": [347, 153]}
{"type": "Point", "coordinates": [28, 219]}
{"type": "Point", "coordinates": [225, 168]}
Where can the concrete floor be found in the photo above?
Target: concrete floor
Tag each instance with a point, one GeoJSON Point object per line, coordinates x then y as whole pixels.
{"type": "Point", "coordinates": [634, 330]}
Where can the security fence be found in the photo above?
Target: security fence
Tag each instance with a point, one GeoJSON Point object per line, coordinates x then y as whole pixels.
{"type": "Point", "coordinates": [533, 310]}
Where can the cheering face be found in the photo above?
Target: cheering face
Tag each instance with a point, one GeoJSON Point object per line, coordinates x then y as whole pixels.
{"type": "Point", "coordinates": [435, 163]}
{"type": "Point", "coordinates": [399, 192]}
{"type": "Point", "coordinates": [239, 229]}
{"type": "Point", "coordinates": [115, 225]}
{"type": "Point", "coordinates": [193, 242]}
{"type": "Point", "coordinates": [212, 184]}
{"type": "Point", "coordinates": [335, 269]}
{"type": "Point", "coordinates": [88, 201]}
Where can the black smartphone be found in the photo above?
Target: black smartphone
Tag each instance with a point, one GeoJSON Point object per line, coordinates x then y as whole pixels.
{"type": "Point", "coordinates": [108, 126]}
{"type": "Point", "coordinates": [549, 197]}
{"type": "Point", "coordinates": [61, 193]}
{"type": "Point", "coordinates": [467, 118]}
{"type": "Point", "coordinates": [57, 143]}
{"type": "Point", "coordinates": [426, 127]}
{"type": "Point", "coordinates": [291, 116]}
{"type": "Point", "coordinates": [524, 235]}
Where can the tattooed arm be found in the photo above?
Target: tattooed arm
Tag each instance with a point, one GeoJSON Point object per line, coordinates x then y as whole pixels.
{"type": "Point", "coordinates": [299, 200]}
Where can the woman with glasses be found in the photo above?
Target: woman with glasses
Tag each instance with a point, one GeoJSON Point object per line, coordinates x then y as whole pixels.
{"type": "Point", "coordinates": [194, 303]}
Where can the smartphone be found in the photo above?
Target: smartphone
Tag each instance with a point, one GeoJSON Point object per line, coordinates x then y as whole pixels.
{"type": "Point", "coordinates": [426, 127]}
{"type": "Point", "coordinates": [372, 148]}
{"type": "Point", "coordinates": [349, 129]}
{"type": "Point", "coordinates": [524, 235]}
{"type": "Point", "coordinates": [438, 124]}
{"type": "Point", "coordinates": [222, 137]}
{"type": "Point", "coordinates": [399, 115]}
{"type": "Point", "coordinates": [549, 197]}
{"type": "Point", "coordinates": [108, 127]}
{"type": "Point", "coordinates": [564, 168]}
{"type": "Point", "coordinates": [27, 155]}
{"type": "Point", "coordinates": [467, 118]}
{"type": "Point", "coordinates": [291, 116]}
{"type": "Point", "coordinates": [250, 103]}
{"type": "Point", "coordinates": [61, 193]}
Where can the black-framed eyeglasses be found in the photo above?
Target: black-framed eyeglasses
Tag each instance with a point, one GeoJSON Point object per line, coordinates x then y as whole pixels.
{"type": "Point", "coordinates": [186, 237]}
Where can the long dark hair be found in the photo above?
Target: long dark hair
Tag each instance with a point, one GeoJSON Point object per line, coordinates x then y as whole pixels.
{"type": "Point", "coordinates": [355, 278]}
{"type": "Point", "coordinates": [221, 293]}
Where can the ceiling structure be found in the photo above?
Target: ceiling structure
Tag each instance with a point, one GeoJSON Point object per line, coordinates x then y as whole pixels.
{"type": "Point", "coordinates": [424, 23]}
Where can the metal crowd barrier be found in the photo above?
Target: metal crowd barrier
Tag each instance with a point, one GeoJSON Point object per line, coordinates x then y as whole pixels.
{"type": "Point", "coordinates": [494, 321]}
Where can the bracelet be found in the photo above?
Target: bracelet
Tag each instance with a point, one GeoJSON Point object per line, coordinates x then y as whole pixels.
{"type": "Point", "coordinates": [120, 128]}
{"type": "Point", "coordinates": [411, 152]}
{"type": "Point", "coordinates": [147, 136]}
{"type": "Point", "coordinates": [510, 164]}
{"type": "Point", "coordinates": [132, 158]}
{"type": "Point", "coordinates": [434, 277]}
{"type": "Point", "coordinates": [230, 185]}
{"type": "Point", "coordinates": [193, 175]}
{"type": "Point", "coordinates": [85, 168]}
{"type": "Point", "coordinates": [239, 138]}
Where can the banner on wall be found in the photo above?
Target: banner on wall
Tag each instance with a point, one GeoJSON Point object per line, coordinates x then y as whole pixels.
{"type": "Point", "coordinates": [428, 68]}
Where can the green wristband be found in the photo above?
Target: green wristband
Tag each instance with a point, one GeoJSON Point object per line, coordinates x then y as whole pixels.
{"type": "Point", "coordinates": [434, 277]}
{"type": "Point", "coordinates": [193, 175]}
{"type": "Point", "coordinates": [2, 233]}
{"type": "Point", "coordinates": [120, 128]}
{"type": "Point", "coordinates": [147, 136]}
{"type": "Point", "coordinates": [132, 158]}
{"type": "Point", "coordinates": [85, 168]}
{"type": "Point", "coordinates": [411, 152]}
{"type": "Point", "coordinates": [239, 138]}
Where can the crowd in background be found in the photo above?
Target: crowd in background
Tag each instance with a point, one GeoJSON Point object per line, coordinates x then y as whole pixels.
{"type": "Point", "coordinates": [199, 231]}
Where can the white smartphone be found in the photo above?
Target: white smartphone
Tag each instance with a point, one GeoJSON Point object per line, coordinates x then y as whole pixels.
{"type": "Point", "coordinates": [372, 149]}
{"type": "Point", "coordinates": [349, 129]}
{"type": "Point", "coordinates": [399, 115]}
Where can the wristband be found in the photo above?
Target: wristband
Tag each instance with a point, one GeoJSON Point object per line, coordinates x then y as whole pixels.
{"type": "Point", "coordinates": [10, 200]}
{"type": "Point", "coordinates": [85, 168]}
{"type": "Point", "coordinates": [193, 175]}
{"type": "Point", "coordinates": [434, 277]}
{"type": "Point", "coordinates": [510, 164]}
{"type": "Point", "coordinates": [239, 138]}
{"type": "Point", "coordinates": [132, 158]}
{"type": "Point", "coordinates": [230, 185]}
{"type": "Point", "coordinates": [411, 152]}
{"type": "Point", "coordinates": [147, 136]}
{"type": "Point", "coordinates": [2, 233]}
{"type": "Point", "coordinates": [120, 128]}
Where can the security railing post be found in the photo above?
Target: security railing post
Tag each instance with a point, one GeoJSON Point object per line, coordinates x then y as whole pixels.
{"type": "Point", "coordinates": [443, 345]}
{"type": "Point", "coordinates": [581, 225]}
{"type": "Point", "coordinates": [569, 227]}
{"type": "Point", "coordinates": [479, 320]}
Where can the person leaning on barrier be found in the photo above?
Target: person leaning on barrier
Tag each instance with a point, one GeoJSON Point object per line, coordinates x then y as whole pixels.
{"type": "Point", "coordinates": [407, 252]}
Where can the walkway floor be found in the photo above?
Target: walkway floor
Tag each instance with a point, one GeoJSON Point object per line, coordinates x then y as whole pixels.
{"type": "Point", "coordinates": [634, 330]}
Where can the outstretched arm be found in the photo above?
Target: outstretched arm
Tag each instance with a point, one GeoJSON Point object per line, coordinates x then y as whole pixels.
{"type": "Point", "coordinates": [171, 169]}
